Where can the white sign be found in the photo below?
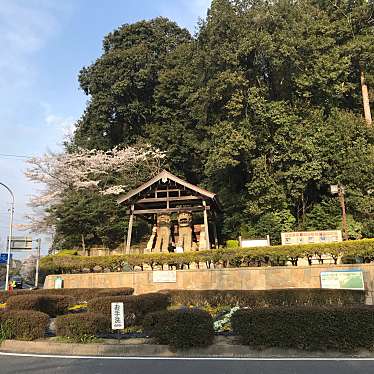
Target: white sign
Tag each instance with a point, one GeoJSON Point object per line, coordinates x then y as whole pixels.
{"type": "Point", "coordinates": [164, 276]}
{"type": "Point", "coordinates": [58, 282]}
{"type": "Point", "coordinates": [248, 243]}
{"type": "Point", "coordinates": [310, 237]}
{"type": "Point", "coordinates": [118, 317]}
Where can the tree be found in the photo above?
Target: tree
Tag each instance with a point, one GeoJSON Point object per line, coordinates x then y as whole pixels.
{"type": "Point", "coordinates": [78, 203]}
{"type": "Point", "coordinates": [263, 106]}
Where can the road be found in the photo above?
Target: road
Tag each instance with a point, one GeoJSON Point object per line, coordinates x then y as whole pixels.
{"type": "Point", "coordinates": [52, 365]}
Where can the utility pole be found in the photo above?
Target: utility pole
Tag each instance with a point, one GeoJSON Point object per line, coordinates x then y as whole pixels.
{"type": "Point", "coordinates": [10, 235]}
{"type": "Point", "coordinates": [38, 241]}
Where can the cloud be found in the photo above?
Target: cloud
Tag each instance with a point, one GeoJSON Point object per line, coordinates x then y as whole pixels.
{"type": "Point", "coordinates": [65, 124]}
{"type": "Point", "coordinates": [25, 28]}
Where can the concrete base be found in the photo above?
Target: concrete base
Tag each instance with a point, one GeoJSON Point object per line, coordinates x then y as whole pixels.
{"type": "Point", "coordinates": [223, 347]}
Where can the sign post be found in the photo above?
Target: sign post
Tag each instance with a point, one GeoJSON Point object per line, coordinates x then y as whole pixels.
{"type": "Point", "coordinates": [118, 317]}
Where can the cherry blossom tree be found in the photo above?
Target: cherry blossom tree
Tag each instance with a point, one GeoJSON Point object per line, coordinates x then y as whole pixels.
{"type": "Point", "coordinates": [103, 172]}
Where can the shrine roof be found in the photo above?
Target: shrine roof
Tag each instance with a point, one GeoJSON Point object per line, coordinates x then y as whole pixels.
{"type": "Point", "coordinates": [162, 178]}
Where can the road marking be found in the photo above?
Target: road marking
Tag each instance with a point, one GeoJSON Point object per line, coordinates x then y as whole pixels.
{"type": "Point", "coordinates": [148, 358]}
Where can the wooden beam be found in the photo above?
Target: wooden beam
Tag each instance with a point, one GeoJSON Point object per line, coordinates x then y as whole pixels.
{"type": "Point", "coordinates": [164, 199]}
{"type": "Point", "coordinates": [171, 210]}
{"type": "Point", "coordinates": [206, 225]}
{"type": "Point", "coordinates": [129, 231]}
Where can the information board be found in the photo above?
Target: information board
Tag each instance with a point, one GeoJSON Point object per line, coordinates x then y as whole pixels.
{"type": "Point", "coordinates": [343, 279]}
{"type": "Point", "coordinates": [309, 237]}
{"type": "Point", "coordinates": [118, 317]}
{"type": "Point", "coordinates": [164, 276]}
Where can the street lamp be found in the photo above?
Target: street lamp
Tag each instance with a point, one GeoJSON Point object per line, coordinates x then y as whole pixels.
{"type": "Point", "coordinates": [339, 190]}
{"type": "Point", "coordinates": [10, 235]}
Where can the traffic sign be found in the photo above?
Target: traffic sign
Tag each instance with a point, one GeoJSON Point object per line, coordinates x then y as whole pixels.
{"type": "Point", "coordinates": [4, 258]}
{"type": "Point", "coordinates": [21, 243]}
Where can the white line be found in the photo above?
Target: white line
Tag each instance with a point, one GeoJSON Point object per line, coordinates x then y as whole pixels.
{"type": "Point", "coordinates": [148, 358]}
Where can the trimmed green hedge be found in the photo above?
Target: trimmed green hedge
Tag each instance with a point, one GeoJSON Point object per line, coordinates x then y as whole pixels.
{"type": "Point", "coordinates": [53, 305]}
{"type": "Point", "coordinates": [230, 257]}
{"type": "Point", "coordinates": [181, 329]}
{"type": "Point", "coordinates": [266, 298]}
{"type": "Point", "coordinates": [135, 307]}
{"type": "Point", "coordinates": [81, 326]}
{"type": "Point", "coordinates": [345, 329]}
{"type": "Point", "coordinates": [80, 294]}
{"type": "Point", "coordinates": [23, 324]}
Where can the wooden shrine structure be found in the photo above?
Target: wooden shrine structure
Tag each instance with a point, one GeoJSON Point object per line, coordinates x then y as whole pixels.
{"type": "Point", "coordinates": [168, 195]}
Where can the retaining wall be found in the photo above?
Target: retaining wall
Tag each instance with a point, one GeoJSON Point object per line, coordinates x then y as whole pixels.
{"type": "Point", "coordinates": [262, 278]}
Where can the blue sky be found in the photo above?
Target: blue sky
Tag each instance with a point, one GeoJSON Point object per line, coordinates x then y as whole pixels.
{"type": "Point", "coordinates": [44, 44]}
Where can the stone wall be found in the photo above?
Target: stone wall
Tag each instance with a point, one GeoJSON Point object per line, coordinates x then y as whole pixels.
{"type": "Point", "coordinates": [262, 278]}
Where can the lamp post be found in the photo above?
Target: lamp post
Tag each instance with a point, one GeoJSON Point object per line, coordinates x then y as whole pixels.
{"type": "Point", "coordinates": [10, 235]}
{"type": "Point", "coordinates": [339, 190]}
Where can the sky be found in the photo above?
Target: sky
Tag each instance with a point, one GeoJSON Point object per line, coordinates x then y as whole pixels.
{"type": "Point", "coordinates": [44, 44]}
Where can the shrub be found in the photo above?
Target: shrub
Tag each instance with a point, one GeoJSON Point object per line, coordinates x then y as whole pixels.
{"type": "Point", "coordinates": [52, 305]}
{"type": "Point", "coordinates": [80, 294]}
{"type": "Point", "coordinates": [181, 329]}
{"type": "Point", "coordinates": [135, 307]}
{"type": "Point", "coordinates": [266, 298]}
{"type": "Point", "coordinates": [81, 326]}
{"type": "Point", "coordinates": [234, 257]}
{"type": "Point", "coordinates": [310, 328]}
{"type": "Point", "coordinates": [23, 324]}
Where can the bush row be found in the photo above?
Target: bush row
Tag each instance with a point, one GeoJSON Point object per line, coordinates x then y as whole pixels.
{"type": "Point", "coordinates": [23, 324]}
{"type": "Point", "coordinates": [266, 298]}
{"type": "Point", "coordinates": [309, 328]}
{"type": "Point", "coordinates": [53, 305]}
{"type": "Point", "coordinates": [229, 257]}
{"type": "Point", "coordinates": [135, 307]}
{"type": "Point", "coordinates": [181, 329]}
{"type": "Point", "coordinates": [80, 294]}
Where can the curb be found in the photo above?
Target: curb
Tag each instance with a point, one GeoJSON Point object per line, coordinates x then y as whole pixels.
{"type": "Point", "coordinates": [49, 347]}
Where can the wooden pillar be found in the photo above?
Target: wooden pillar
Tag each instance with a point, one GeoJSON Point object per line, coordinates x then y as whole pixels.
{"type": "Point", "coordinates": [129, 231]}
{"type": "Point", "coordinates": [206, 225]}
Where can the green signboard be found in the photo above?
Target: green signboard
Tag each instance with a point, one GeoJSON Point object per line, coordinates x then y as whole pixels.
{"type": "Point", "coordinates": [343, 279]}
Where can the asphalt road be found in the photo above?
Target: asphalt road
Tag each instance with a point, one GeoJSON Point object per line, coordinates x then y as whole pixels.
{"type": "Point", "coordinates": [33, 365]}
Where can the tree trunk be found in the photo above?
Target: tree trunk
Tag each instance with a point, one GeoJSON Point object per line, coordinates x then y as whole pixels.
{"type": "Point", "coordinates": [365, 100]}
{"type": "Point", "coordinates": [83, 244]}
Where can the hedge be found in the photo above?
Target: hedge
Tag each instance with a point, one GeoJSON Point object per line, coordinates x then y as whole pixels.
{"type": "Point", "coordinates": [266, 298]}
{"type": "Point", "coordinates": [80, 294]}
{"type": "Point", "coordinates": [135, 307]}
{"type": "Point", "coordinates": [181, 329]}
{"type": "Point", "coordinates": [82, 325]}
{"type": "Point", "coordinates": [229, 257]}
{"type": "Point", "coordinates": [23, 324]}
{"type": "Point", "coordinates": [346, 329]}
{"type": "Point", "coordinates": [52, 305]}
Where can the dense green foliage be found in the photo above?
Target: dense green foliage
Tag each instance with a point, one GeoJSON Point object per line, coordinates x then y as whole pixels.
{"type": "Point", "coordinates": [266, 298]}
{"type": "Point", "coordinates": [80, 327]}
{"type": "Point", "coordinates": [53, 305]}
{"type": "Point", "coordinates": [230, 257]}
{"type": "Point", "coordinates": [23, 324]}
{"type": "Point", "coordinates": [80, 295]}
{"type": "Point", "coordinates": [346, 328]}
{"type": "Point", "coordinates": [262, 106]}
{"type": "Point", "coordinates": [136, 307]}
{"type": "Point", "coordinates": [181, 328]}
